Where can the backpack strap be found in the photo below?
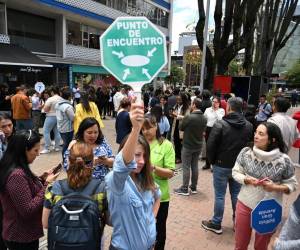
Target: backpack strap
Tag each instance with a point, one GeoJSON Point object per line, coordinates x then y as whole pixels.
{"type": "Point", "coordinates": [64, 187]}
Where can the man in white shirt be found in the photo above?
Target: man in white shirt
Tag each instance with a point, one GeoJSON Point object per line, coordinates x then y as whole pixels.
{"type": "Point", "coordinates": [287, 125]}
{"type": "Point", "coordinates": [117, 98]}
{"type": "Point", "coordinates": [51, 121]}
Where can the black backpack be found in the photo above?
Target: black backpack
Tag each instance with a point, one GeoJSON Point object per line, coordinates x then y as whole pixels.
{"type": "Point", "coordinates": [75, 220]}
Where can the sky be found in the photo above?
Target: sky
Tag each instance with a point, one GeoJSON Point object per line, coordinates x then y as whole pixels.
{"type": "Point", "coordinates": [186, 12]}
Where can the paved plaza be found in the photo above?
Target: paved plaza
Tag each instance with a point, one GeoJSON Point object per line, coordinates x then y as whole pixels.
{"type": "Point", "coordinates": [184, 231]}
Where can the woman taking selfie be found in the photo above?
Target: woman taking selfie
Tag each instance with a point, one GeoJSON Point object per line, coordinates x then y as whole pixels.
{"type": "Point", "coordinates": [265, 172]}
{"type": "Point", "coordinates": [89, 132]}
{"type": "Point", "coordinates": [22, 192]}
{"type": "Point", "coordinates": [162, 156]}
{"type": "Point", "coordinates": [133, 198]}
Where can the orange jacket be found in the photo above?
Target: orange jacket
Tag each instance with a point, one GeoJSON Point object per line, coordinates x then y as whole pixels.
{"type": "Point", "coordinates": [21, 107]}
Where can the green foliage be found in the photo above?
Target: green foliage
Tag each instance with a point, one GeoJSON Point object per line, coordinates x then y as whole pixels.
{"type": "Point", "coordinates": [176, 75]}
{"type": "Point", "coordinates": [233, 68]}
{"type": "Point", "coordinates": [293, 74]}
{"type": "Point", "coordinates": [271, 94]}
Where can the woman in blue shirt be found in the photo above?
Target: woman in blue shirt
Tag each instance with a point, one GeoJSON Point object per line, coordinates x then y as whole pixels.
{"type": "Point", "coordinates": [89, 131]}
{"type": "Point", "coordinates": [133, 197]}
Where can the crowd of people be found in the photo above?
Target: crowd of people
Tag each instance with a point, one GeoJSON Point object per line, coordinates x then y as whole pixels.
{"type": "Point", "coordinates": [129, 189]}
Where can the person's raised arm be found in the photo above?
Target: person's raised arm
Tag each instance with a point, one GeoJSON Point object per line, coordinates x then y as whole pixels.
{"type": "Point", "coordinates": [137, 119]}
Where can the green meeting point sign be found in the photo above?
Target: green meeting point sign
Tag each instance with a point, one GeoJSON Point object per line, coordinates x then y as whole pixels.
{"type": "Point", "coordinates": [133, 50]}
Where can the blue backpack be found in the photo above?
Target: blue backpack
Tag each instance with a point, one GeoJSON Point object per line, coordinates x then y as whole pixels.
{"type": "Point", "coordinates": [75, 221]}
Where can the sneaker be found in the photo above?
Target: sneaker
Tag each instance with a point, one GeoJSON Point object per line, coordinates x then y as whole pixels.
{"type": "Point", "coordinates": [208, 225]}
{"type": "Point", "coordinates": [45, 151]}
{"type": "Point", "coordinates": [193, 190]}
{"type": "Point", "coordinates": [57, 149]}
{"type": "Point", "coordinates": [181, 191]}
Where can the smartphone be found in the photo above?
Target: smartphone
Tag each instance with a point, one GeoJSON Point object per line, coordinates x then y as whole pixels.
{"type": "Point", "coordinates": [57, 168]}
{"type": "Point", "coordinates": [262, 180]}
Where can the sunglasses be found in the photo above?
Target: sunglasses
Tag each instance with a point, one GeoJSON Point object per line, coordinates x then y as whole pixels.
{"type": "Point", "coordinates": [88, 163]}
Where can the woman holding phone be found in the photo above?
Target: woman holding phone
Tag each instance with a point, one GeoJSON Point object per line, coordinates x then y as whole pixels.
{"type": "Point", "coordinates": [89, 132]}
{"type": "Point", "coordinates": [265, 172]}
{"type": "Point", "coordinates": [22, 192]}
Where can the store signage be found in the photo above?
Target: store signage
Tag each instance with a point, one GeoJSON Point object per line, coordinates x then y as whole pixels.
{"type": "Point", "coordinates": [30, 69]}
{"type": "Point", "coordinates": [133, 50]}
{"type": "Point", "coordinates": [266, 216]}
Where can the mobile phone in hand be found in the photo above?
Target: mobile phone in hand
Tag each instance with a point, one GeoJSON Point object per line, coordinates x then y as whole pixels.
{"type": "Point", "coordinates": [57, 168]}
{"type": "Point", "coordinates": [262, 180]}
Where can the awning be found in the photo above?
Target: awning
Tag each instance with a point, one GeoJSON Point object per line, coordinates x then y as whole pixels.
{"type": "Point", "coordinates": [16, 56]}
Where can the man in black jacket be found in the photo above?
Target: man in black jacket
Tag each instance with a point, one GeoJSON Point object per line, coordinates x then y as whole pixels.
{"type": "Point", "coordinates": [225, 141]}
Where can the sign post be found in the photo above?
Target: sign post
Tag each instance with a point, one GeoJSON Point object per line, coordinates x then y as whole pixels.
{"type": "Point", "coordinates": [266, 216]}
{"type": "Point", "coordinates": [134, 51]}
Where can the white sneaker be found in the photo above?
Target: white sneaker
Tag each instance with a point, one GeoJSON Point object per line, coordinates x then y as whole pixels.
{"type": "Point", "coordinates": [45, 151]}
{"type": "Point", "coordinates": [57, 149]}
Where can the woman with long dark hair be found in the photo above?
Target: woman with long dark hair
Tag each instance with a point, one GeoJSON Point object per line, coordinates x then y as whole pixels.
{"type": "Point", "coordinates": [89, 132]}
{"type": "Point", "coordinates": [213, 114]}
{"type": "Point", "coordinates": [162, 120]}
{"type": "Point", "coordinates": [265, 171]}
{"type": "Point", "coordinates": [162, 156]}
{"type": "Point", "coordinates": [180, 110]}
{"type": "Point", "coordinates": [133, 197]}
{"type": "Point", "coordinates": [84, 109]}
{"type": "Point", "coordinates": [22, 192]}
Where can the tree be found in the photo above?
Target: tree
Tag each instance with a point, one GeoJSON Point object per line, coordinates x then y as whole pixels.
{"type": "Point", "coordinates": [176, 75]}
{"type": "Point", "coordinates": [241, 18]}
{"type": "Point", "coordinates": [238, 19]}
{"type": "Point", "coordinates": [293, 74]}
{"type": "Point", "coordinates": [274, 28]}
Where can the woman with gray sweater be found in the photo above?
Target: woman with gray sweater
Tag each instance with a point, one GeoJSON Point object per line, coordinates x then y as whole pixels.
{"type": "Point", "coordinates": [264, 171]}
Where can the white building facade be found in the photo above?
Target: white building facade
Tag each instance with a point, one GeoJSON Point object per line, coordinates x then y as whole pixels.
{"type": "Point", "coordinates": [63, 35]}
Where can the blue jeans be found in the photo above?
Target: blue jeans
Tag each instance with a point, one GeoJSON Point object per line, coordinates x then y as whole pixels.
{"type": "Point", "coordinates": [24, 124]}
{"type": "Point", "coordinates": [222, 176]}
{"type": "Point", "coordinates": [67, 138]}
{"type": "Point", "coordinates": [51, 124]}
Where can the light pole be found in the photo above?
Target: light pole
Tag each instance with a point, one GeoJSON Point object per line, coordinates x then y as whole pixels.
{"type": "Point", "coordinates": [204, 45]}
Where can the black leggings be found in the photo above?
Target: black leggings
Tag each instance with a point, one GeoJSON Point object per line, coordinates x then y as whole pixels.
{"type": "Point", "coordinates": [177, 141]}
{"type": "Point", "coordinates": [161, 223]}
{"type": "Point", "coordinates": [34, 245]}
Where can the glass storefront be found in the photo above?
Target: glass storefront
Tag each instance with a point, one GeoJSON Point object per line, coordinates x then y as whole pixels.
{"type": "Point", "coordinates": [139, 8]}
{"type": "Point", "coordinates": [24, 31]}
{"type": "Point", "coordinates": [83, 35]}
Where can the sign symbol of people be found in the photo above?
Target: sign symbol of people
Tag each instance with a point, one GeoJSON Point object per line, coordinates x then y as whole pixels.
{"type": "Point", "coordinates": [133, 50]}
{"type": "Point", "coordinates": [266, 216]}
{"type": "Point", "coordinates": [39, 87]}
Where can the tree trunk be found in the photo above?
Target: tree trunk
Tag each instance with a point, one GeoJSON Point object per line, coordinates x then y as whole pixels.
{"type": "Point", "coordinates": [209, 60]}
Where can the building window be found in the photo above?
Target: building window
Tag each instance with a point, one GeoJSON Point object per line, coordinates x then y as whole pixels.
{"type": "Point", "coordinates": [120, 5]}
{"type": "Point", "coordinates": [2, 19]}
{"type": "Point", "coordinates": [139, 8]}
{"type": "Point", "coordinates": [73, 33]}
{"type": "Point", "coordinates": [83, 35]}
{"type": "Point", "coordinates": [23, 30]}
